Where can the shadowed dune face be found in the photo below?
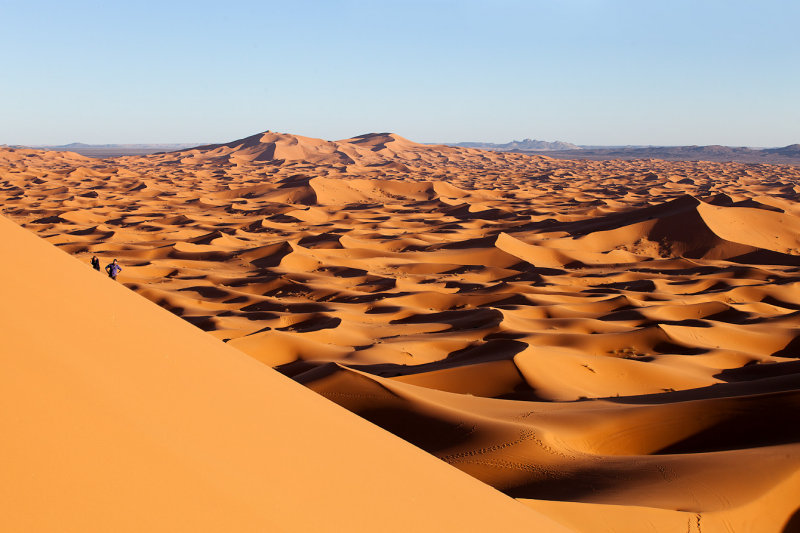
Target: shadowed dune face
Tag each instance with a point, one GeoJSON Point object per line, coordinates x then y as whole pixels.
{"type": "Point", "coordinates": [610, 332]}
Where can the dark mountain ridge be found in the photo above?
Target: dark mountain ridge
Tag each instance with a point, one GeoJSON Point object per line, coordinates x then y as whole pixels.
{"type": "Point", "coordinates": [787, 155]}
{"type": "Point", "coordinates": [524, 144]}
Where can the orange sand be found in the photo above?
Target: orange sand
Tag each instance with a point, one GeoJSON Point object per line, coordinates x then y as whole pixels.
{"type": "Point", "coordinates": [621, 334]}
{"type": "Point", "coordinates": [118, 416]}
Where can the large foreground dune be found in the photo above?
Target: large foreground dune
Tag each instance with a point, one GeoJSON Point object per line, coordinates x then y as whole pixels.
{"type": "Point", "coordinates": [622, 334]}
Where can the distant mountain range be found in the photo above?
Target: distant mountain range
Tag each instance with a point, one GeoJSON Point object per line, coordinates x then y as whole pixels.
{"type": "Point", "coordinates": [113, 150]}
{"type": "Point", "coordinates": [524, 145]}
{"type": "Point", "coordinates": [789, 155]}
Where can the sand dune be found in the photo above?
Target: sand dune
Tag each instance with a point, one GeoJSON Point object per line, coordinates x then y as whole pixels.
{"type": "Point", "coordinates": [124, 418]}
{"type": "Point", "coordinates": [612, 343]}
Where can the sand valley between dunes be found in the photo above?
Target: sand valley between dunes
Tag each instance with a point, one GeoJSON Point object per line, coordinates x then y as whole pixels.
{"type": "Point", "coordinates": [614, 344]}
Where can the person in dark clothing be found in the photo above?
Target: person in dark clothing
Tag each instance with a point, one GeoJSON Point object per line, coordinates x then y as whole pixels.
{"type": "Point", "coordinates": [113, 269]}
{"type": "Point", "coordinates": [95, 263]}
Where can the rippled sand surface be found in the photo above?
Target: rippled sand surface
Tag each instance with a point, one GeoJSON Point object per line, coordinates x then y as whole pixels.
{"type": "Point", "coordinates": [617, 333]}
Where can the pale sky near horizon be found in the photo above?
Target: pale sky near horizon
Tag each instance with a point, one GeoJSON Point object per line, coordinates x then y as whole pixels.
{"type": "Point", "coordinates": [583, 71]}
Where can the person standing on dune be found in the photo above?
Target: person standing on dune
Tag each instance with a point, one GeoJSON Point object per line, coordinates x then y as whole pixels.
{"type": "Point", "coordinates": [95, 263]}
{"type": "Point", "coordinates": [113, 269]}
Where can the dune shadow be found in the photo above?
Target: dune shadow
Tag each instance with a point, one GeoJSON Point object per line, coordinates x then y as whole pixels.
{"type": "Point", "coordinates": [770, 385]}
{"type": "Point", "coordinates": [753, 371]}
{"type": "Point", "coordinates": [457, 319]}
{"type": "Point", "coordinates": [266, 306]}
{"type": "Point", "coordinates": [564, 485]}
{"type": "Point", "coordinates": [793, 524]}
{"type": "Point", "coordinates": [749, 422]}
{"type": "Point", "coordinates": [492, 350]}
{"type": "Point", "coordinates": [206, 323]}
{"type": "Point", "coordinates": [639, 285]}
{"type": "Point", "coordinates": [207, 292]}
{"type": "Point", "coordinates": [313, 324]}
{"type": "Point", "coordinates": [792, 349]}
{"type": "Point", "coordinates": [424, 431]}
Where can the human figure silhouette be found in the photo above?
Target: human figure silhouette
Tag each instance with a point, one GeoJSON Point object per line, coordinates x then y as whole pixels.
{"type": "Point", "coordinates": [113, 269]}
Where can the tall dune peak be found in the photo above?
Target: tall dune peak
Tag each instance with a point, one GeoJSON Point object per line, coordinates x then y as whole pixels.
{"type": "Point", "coordinates": [261, 138]}
{"type": "Point", "coordinates": [378, 138]}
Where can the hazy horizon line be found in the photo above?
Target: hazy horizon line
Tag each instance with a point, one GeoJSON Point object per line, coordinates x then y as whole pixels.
{"type": "Point", "coordinates": [203, 143]}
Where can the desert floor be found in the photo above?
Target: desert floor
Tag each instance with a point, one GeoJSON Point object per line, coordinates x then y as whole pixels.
{"type": "Point", "coordinates": [621, 334]}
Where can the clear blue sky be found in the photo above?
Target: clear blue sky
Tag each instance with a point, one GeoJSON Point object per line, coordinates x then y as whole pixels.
{"type": "Point", "coordinates": [582, 71]}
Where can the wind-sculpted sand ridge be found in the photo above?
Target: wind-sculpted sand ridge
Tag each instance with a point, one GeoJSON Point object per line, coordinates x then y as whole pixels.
{"type": "Point", "coordinates": [617, 333]}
